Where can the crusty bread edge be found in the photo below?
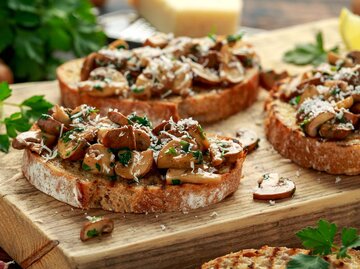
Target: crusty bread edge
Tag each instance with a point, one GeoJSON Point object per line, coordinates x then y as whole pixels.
{"type": "Point", "coordinates": [206, 108]}
{"type": "Point", "coordinates": [329, 156]}
{"type": "Point", "coordinates": [69, 188]}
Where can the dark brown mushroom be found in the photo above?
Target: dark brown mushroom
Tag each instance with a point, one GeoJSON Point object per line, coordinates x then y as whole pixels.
{"type": "Point", "coordinates": [72, 149]}
{"type": "Point", "coordinates": [271, 187]}
{"type": "Point", "coordinates": [196, 131]}
{"type": "Point", "coordinates": [96, 226]}
{"type": "Point", "coordinates": [116, 138]}
{"type": "Point", "coordinates": [159, 40]}
{"type": "Point", "coordinates": [355, 108]}
{"type": "Point", "coordinates": [137, 164]}
{"type": "Point", "coordinates": [142, 140]}
{"type": "Point", "coordinates": [248, 139]}
{"type": "Point", "coordinates": [314, 124]}
{"type": "Point", "coordinates": [354, 56]}
{"type": "Point", "coordinates": [269, 78]}
{"type": "Point", "coordinates": [51, 126]}
{"type": "Point", "coordinates": [162, 126]}
{"type": "Point", "coordinates": [118, 117]}
{"type": "Point", "coordinates": [204, 75]}
{"type": "Point", "coordinates": [29, 139]}
{"type": "Point", "coordinates": [334, 131]}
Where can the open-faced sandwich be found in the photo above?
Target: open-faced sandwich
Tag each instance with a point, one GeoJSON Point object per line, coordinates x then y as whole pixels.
{"type": "Point", "coordinates": [207, 78]}
{"type": "Point", "coordinates": [313, 118]}
{"type": "Point", "coordinates": [123, 164]}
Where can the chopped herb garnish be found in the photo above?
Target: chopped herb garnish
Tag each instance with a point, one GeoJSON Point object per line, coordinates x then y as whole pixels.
{"type": "Point", "coordinates": [234, 38]}
{"type": "Point", "coordinates": [176, 181]}
{"type": "Point", "coordinates": [113, 178]}
{"type": "Point", "coordinates": [144, 121]}
{"type": "Point", "coordinates": [185, 146]}
{"type": "Point", "coordinates": [125, 157]}
{"type": "Point", "coordinates": [304, 123]}
{"type": "Point", "coordinates": [92, 233]}
{"type": "Point", "coordinates": [194, 49]}
{"type": "Point", "coordinates": [171, 151]}
{"type": "Point", "coordinates": [335, 91]}
{"type": "Point", "coordinates": [137, 89]}
{"type": "Point", "coordinates": [85, 167]}
{"type": "Point", "coordinates": [320, 240]}
{"type": "Point", "coordinates": [98, 87]}
{"type": "Point", "coordinates": [295, 101]}
{"type": "Point", "coordinates": [121, 47]}
{"type": "Point", "coordinates": [98, 167]}
{"type": "Point", "coordinates": [44, 117]}
{"type": "Point", "coordinates": [202, 133]}
{"type": "Point", "coordinates": [66, 136]}
{"type": "Point", "coordinates": [212, 37]}
{"type": "Point", "coordinates": [198, 156]}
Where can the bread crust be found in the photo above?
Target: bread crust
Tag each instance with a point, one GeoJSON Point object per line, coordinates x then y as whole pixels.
{"type": "Point", "coordinates": [84, 190]}
{"type": "Point", "coordinates": [205, 107]}
{"type": "Point", "coordinates": [333, 157]}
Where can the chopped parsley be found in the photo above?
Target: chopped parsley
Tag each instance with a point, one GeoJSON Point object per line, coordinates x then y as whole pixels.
{"type": "Point", "coordinates": [212, 36]}
{"type": "Point", "coordinates": [202, 133]}
{"type": "Point", "coordinates": [304, 123]}
{"type": "Point", "coordinates": [335, 91]}
{"type": "Point", "coordinates": [176, 181]}
{"type": "Point", "coordinates": [45, 116]}
{"type": "Point", "coordinates": [98, 87]}
{"type": "Point", "coordinates": [144, 121]}
{"type": "Point", "coordinates": [295, 101]}
{"type": "Point", "coordinates": [85, 167]}
{"type": "Point", "coordinates": [198, 156]}
{"type": "Point", "coordinates": [92, 233]}
{"type": "Point", "coordinates": [121, 47]}
{"type": "Point", "coordinates": [171, 151]}
{"type": "Point", "coordinates": [66, 136]}
{"type": "Point", "coordinates": [137, 89]}
{"type": "Point", "coordinates": [185, 146]}
{"type": "Point", "coordinates": [98, 167]}
{"type": "Point", "coordinates": [234, 38]}
{"type": "Point", "coordinates": [125, 157]}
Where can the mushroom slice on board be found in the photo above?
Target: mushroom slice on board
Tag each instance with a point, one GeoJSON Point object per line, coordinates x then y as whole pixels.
{"type": "Point", "coordinates": [248, 139]}
{"type": "Point", "coordinates": [96, 226]}
{"type": "Point", "coordinates": [134, 164]}
{"type": "Point", "coordinates": [179, 176]}
{"type": "Point", "coordinates": [273, 187]}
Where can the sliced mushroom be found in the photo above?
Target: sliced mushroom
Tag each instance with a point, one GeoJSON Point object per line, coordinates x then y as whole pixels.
{"type": "Point", "coordinates": [99, 160]}
{"type": "Point", "coordinates": [116, 138]}
{"type": "Point", "coordinates": [142, 140]}
{"type": "Point", "coordinates": [137, 164]}
{"type": "Point", "coordinates": [48, 139]}
{"type": "Point", "coordinates": [355, 108]}
{"type": "Point", "coordinates": [72, 149]}
{"type": "Point", "coordinates": [162, 126]}
{"type": "Point", "coordinates": [312, 127]}
{"type": "Point", "coordinates": [104, 81]}
{"type": "Point", "coordinates": [224, 151]}
{"type": "Point", "coordinates": [271, 187]}
{"type": "Point", "coordinates": [51, 126]}
{"type": "Point", "coordinates": [172, 155]}
{"type": "Point", "coordinates": [333, 58]}
{"type": "Point", "coordinates": [183, 79]}
{"type": "Point", "coordinates": [248, 139]}
{"type": "Point", "coordinates": [118, 118]}
{"type": "Point", "coordinates": [88, 65]}
{"type": "Point", "coordinates": [119, 44]}
{"type": "Point", "coordinates": [159, 40]}
{"type": "Point", "coordinates": [232, 72]}
{"type": "Point", "coordinates": [29, 139]}
{"type": "Point", "coordinates": [179, 176]}
{"type": "Point", "coordinates": [61, 115]}
{"type": "Point", "coordinates": [334, 131]}
{"type": "Point", "coordinates": [309, 92]}
{"type": "Point", "coordinates": [336, 84]}
{"type": "Point", "coordinates": [204, 75]}
{"type": "Point", "coordinates": [209, 60]}
{"type": "Point", "coordinates": [346, 103]}
{"type": "Point", "coordinates": [351, 117]}
{"type": "Point", "coordinates": [96, 226]}
{"type": "Point", "coordinates": [356, 97]}
{"type": "Point", "coordinates": [354, 56]}
{"type": "Point", "coordinates": [269, 78]}
{"type": "Point", "coordinates": [199, 135]}
{"type": "Point", "coordinates": [142, 88]}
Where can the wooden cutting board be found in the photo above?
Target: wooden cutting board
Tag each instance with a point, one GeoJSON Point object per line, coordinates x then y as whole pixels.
{"type": "Point", "coordinates": [40, 232]}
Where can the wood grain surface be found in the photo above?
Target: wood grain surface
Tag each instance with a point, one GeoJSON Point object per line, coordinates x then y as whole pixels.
{"type": "Point", "coordinates": [40, 232]}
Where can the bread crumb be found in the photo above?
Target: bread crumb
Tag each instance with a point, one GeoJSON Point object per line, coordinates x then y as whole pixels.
{"type": "Point", "coordinates": [71, 208]}
{"type": "Point", "coordinates": [271, 202]}
{"type": "Point", "coordinates": [156, 216]}
{"type": "Point", "coordinates": [39, 221]}
{"type": "Point", "coordinates": [185, 212]}
{"type": "Point", "coordinates": [214, 214]}
{"type": "Point", "coordinates": [163, 227]}
{"type": "Point", "coordinates": [337, 180]}
{"type": "Point", "coordinates": [298, 173]}
{"type": "Point", "coordinates": [318, 179]}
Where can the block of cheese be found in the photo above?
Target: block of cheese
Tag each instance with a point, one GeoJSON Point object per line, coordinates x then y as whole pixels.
{"type": "Point", "coordinates": [194, 18]}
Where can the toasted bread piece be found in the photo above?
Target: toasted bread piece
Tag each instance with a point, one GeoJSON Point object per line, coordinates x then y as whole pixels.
{"type": "Point", "coordinates": [275, 258]}
{"type": "Point", "coordinates": [334, 157]}
{"type": "Point", "coordinates": [205, 107]}
{"type": "Point", "coordinates": [66, 182]}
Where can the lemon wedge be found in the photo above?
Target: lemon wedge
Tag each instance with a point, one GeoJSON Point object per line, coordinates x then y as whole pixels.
{"type": "Point", "coordinates": [349, 24]}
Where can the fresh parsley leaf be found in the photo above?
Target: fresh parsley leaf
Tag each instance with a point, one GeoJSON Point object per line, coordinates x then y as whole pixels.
{"type": "Point", "coordinates": [171, 151]}
{"type": "Point", "coordinates": [310, 53]}
{"type": "Point", "coordinates": [137, 89]}
{"type": "Point", "coordinates": [349, 239]}
{"type": "Point", "coordinates": [38, 106]}
{"type": "Point", "coordinates": [92, 233]}
{"type": "Point", "coordinates": [320, 239]}
{"type": "Point", "coordinates": [202, 133]}
{"type": "Point", "coordinates": [4, 143]}
{"type": "Point", "coordinates": [295, 100]}
{"type": "Point", "coordinates": [234, 38]}
{"type": "Point", "coordinates": [86, 167]}
{"type": "Point", "coordinates": [5, 91]}
{"type": "Point", "coordinates": [185, 146]}
{"type": "Point", "coordinates": [302, 261]}
{"type": "Point", "coordinates": [176, 181]}
{"type": "Point", "coordinates": [198, 156]}
{"type": "Point", "coordinates": [125, 157]}
{"type": "Point", "coordinates": [16, 122]}
{"type": "Point", "coordinates": [98, 167]}
{"type": "Point", "coordinates": [144, 121]}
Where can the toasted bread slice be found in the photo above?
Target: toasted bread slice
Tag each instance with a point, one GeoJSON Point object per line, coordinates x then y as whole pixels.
{"type": "Point", "coordinates": [205, 107]}
{"type": "Point", "coordinates": [66, 182]}
{"type": "Point", "coordinates": [334, 157]}
{"type": "Point", "coordinates": [275, 258]}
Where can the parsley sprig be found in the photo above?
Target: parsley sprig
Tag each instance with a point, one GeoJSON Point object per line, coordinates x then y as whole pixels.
{"type": "Point", "coordinates": [309, 53]}
{"type": "Point", "coordinates": [29, 111]}
{"type": "Point", "coordinates": [320, 240]}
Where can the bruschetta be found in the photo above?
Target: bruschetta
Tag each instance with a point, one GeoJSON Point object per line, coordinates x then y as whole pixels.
{"type": "Point", "coordinates": [124, 164]}
{"type": "Point", "coordinates": [207, 78]}
{"type": "Point", "coordinates": [313, 118]}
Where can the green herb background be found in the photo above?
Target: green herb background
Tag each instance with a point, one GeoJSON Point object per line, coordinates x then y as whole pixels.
{"type": "Point", "coordinates": [33, 32]}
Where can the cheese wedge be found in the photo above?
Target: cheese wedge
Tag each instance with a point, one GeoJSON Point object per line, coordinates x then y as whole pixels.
{"type": "Point", "coordinates": [194, 18]}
